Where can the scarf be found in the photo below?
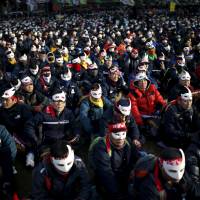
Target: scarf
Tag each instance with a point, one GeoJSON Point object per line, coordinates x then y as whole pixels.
{"type": "Point", "coordinates": [98, 102]}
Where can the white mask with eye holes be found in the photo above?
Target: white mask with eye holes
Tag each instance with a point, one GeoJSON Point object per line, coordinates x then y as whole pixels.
{"type": "Point", "coordinates": [96, 93]}
{"type": "Point", "coordinates": [59, 97]}
{"type": "Point", "coordinates": [174, 168]}
{"type": "Point", "coordinates": [65, 164]}
{"type": "Point", "coordinates": [187, 96]}
{"type": "Point", "coordinates": [119, 135]}
{"type": "Point", "coordinates": [125, 110]}
{"type": "Point", "coordinates": [34, 71]}
{"type": "Point", "coordinates": [66, 76]}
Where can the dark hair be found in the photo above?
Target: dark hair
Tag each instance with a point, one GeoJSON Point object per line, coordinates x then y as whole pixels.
{"type": "Point", "coordinates": [59, 149]}
{"type": "Point", "coordinates": [95, 86]}
{"type": "Point", "coordinates": [170, 153]}
{"type": "Point", "coordinates": [183, 90]}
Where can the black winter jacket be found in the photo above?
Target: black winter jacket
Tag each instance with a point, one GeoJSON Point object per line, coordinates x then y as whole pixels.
{"type": "Point", "coordinates": [53, 127]}
{"type": "Point", "coordinates": [15, 117]}
{"type": "Point", "coordinates": [112, 166]}
{"type": "Point", "coordinates": [48, 184]}
{"type": "Point", "coordinates": [149, 184]}
{"type": "Point", "coordinates": [179, 125]}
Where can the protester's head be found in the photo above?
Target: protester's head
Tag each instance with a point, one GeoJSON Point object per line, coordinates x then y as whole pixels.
{"type": "Point", "coordinates": [93, 69]}
{"type": "Point", "coordinates": [141, 80]}
{"type": "Point", "coordinates": [34, 68]}
{"type": "Point", "coordinates": [46, 74]}
{"type": "Point", "coordinates": [8, 97]}
{"type": "Point", "coordinates": [172, 164]}
{"type": "Point", "coordinates": [108, 61]}
{"type": "Point", "coordinates": [118, 133]}
{"type": "Point", "coordinates": [62, 157]}
{"type": "Point", "coordinates": [27, 84]}
{"type": "Point", "coordinates": [180, 60]}
{"type": "Point", "coordinates": [185, 98]}
{"type": "Point", "coordinates": [123, 107]}
{"type": "Point", "coordinates": [134, 53]}
{"type": "Point", "coordinates": [23, 59]}
{"type": "Point", "coordinates": [50, 57]}
{"type": "Point", "coordinates": [59, 100]}
{"type": "Point", "coordinates": [96, 91]}
{"type": "Point", "coordinates": [66, 74]}
{"type": "Point", "coordinates": [59, 59]}
{"type": "Point", "coordinates": [184, 79]}
{"type": "Point", "coordinates": [114, 73]}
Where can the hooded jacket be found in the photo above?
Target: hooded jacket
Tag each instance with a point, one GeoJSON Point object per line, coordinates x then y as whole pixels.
{"type": "Point", "coordinates": [144, 102]}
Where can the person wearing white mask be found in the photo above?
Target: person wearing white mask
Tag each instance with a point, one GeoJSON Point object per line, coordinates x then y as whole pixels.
{"type": "Point", "coordinates": [111, 158]}
{"type": "Point", "coordinates": [46, 83]}
{"type": "Point", "coordinates": [9, 63]}
{"type": "Point", "coordinates": [57, 122]}
{"type": "Point", "coordinates": [58, 65]}
{"type": "Point", "coordinates": [91, 111]}
{"type": "Point", "coordinates": [13, 116]}
{"type": "Point", "coordinates": [163, 177]}
{"type": "Point", "coordinates": [61, 175]}
{"type": "Point", "coordinates": [180, 120]}
{"type": "Point", "coordinates": [171, 76]}
{"type": "Point", "coordinates": [184, 80]}
{"type": "Point", "coordinates": [71, 88]}
{"type": "Point", "coordinates": [22, 65]}
{"type": "Point", "coordinates": [33, 70]}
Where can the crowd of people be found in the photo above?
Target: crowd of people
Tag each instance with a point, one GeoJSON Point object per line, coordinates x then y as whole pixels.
{"type": "Point", "coordinates": [104, 83]}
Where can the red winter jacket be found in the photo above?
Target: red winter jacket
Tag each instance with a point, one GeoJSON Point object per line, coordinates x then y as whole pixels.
{"type": "Point", "coordinates": [144, 102]}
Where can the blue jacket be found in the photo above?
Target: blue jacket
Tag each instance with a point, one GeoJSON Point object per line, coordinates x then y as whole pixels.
{"type": "Point", "coordinates": [7, 142]}
{"type": "Point", "coordinates": [91, 115]}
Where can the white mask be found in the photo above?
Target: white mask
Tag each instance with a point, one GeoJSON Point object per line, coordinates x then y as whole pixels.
{"type": "Point", "coordinates": [47, 79]}
{"type": "Point", "coordinates": [9, 93]}
{"type": "Point", "coordinates": [119, 135]}
{"type": "Point", "coordinates": [10, 55]}
{"type": "Point", "coordinates": [13, 47]}
{"type": "Point", "coordinates": [186, 96]}
{"type": "Point", "coordinates": [96, 93]}
{"type": "Point", "coordinates": [182, 62]}
{"type": "Point", "coordinates": [64, 165]}
{"type": "Point", "coordinates": [175, 168]}
{"type": "Point", "coordinates": [59, 97]}
{"type": "Point", "coordinates": [167, 48]}
{"type": "Point", "coordinates": [66, 77]}
{"type": "Point", "coordinates": [71, 48]}
{"type": "Point", "coordinates": [125, 110]}
{"type": "Point", "coordinates": [34, 71]}
{"type": "Point", "coordinates": [185, 76]}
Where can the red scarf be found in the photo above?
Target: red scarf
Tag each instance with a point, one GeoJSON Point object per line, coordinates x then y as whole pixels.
{"type": "Point", "coordinates": [43, 84]}
{"type": "Point", "coordinates": [157, 180]}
